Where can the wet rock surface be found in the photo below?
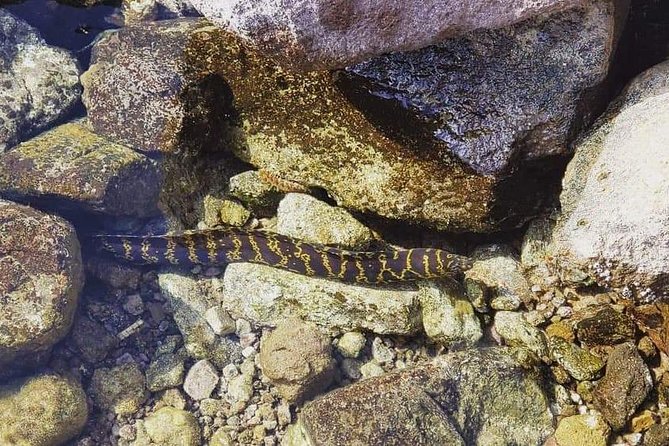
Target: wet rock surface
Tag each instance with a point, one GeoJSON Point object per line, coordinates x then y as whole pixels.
{"type": "Point", "coordinates": [39, 83]}
{"type": "Point", "coordinates": [534, 66]}
{"type": "Point", "coordinates": [72, 165]}
{"type": "Point", "coordinates": [41, 276]}
{"type": "Point", "coordinates": [322, 34]}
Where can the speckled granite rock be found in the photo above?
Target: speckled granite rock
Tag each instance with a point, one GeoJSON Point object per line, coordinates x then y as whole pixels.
{"type": "Point", "coordinates": [517, 332]}
{"type": "Point", "coordinates": [448, 316]}
{"type": "Point", "coordinates": [613, 223]}
{"type": "Point", "coordinates": [255, 192]}
{"type": "Point", "coordinates": [297, 358]}
{"type": "Point", "coordinates": [39, 83]}
{"type": "Point", "coordinates": [44, 410]}
{"type": "Point", "coordinates": [73, 167]}
{"type": "Point", "coordinates": [606, 327]}
{"type": "Point", "coordinates": [188, 298]}
{"type": "Point", "coordinates": [152, 87]}
{"type": "Point", "coordinates": [267, 295]}
{"type": "Point", "coordinates": [120, 389]}
{"type": "Point", "coordinates": [625, 385]}
{"type": "Point", "coordinates": [541, 72]}
{"type": "Point", "coordinates": [41, 276]}
{"type": "Point", "coordinates": [304, 217]}
{"type": "Point", "coordinates": [326, 34]}
{"type": "Point", "coordinates": [470, 397]}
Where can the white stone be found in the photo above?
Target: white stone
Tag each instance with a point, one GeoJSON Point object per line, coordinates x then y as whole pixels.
{"type": "Point", "coordinates": [201, 380]}
{"type": "Point", "coordinates": [219, 321]}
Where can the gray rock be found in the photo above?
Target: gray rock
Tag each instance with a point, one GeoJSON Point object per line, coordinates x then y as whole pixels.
{"type": "Point", "coordinates": [478, 397]}
{"type": "Point", "coordinates": [201, 380]}
{"type": "Point", "coordinates": [240, 387]}
{"type": "Point", "coordinates": [306, 218]}
{"type": "Point", "coordinates": [255, 192]}
{"type": "Point", "coordinates": [120, 389]}
{"type": "Point", "coordinates": [371, 369]}
{"type": "Point", "coordinates": [540, 70]}
{"type": "Point", "coordinates": [625, 385]}
{"type": "Point", "coordinates": [39, 83]}
{"type": "Point", "coordinates": [498, 277]}
{"type": "Point", "coordinates": [173, 427]}
{"type": "Point", "coordinates": [91, 339]}
{"type": "Point", "coordinates": [578, 362]}
{"type": "Point", "coordinates": [41, 276]}
{"type": "Point", "coordinates": [43, 410]}
{"type": "Point", "coordinates": [165, 372]}
{"type": "Point", "coordinates": [351, 344]}
{"type": "Point", "coordinates": [657, 435]}
{"type": "Point", "coordinates": [187, 299]}
{"type": "Point", "coordinates": [297, 359]}
{"type": "Point", "coordinates": [597, 234]}
{"type": "Point", "coordinates": [517, 332]}
{"type": "Point", "coordinates": [267, 296]}
{"type": "Point", "coordinates": [320, 34]}
{"type": "Point", "coordinates": [72, 166]}
{"type": "Point", "coordinates": [219, 321]}
{"type": "Point", "coordinates": [448, 317]}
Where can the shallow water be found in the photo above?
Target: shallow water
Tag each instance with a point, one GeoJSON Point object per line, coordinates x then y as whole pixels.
{"type": "Point", "coordinates": [66, 26]}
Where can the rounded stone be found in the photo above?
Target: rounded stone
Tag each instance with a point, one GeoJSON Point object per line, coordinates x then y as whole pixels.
{"type": "Point", "coordinates": [173, 427]}
{"type": "Point", "coordinates": [584, 430]}
{"type": "Point", "coordinates": [41, 276]}
{"type": "Point", "coordinates": [297, 358]}
{"type": "Point", "coordinates": [351, 344]}
{"type": "Point", "coordinates": [120, 389]}
{"type": "Point", "coordinates": [45, 410]}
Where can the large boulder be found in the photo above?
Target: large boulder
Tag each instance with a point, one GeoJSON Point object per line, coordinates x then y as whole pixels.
{"type": "Point", "coordinates": [474, 397]}
{"type": "Point", "coordinates": [613, 227]}
{"type": "Point", "coordinates": [319, 34]}
{"type": "Point", "coordinates": [41, 276]}
{"type": "Point", "coordinates": [44, 410]}
{"type": "Point", "coordinates": [72, 167]}
{"type": "Point", "coordinates": [39, 83]}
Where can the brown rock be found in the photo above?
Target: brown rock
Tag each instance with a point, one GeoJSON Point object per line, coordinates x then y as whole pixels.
{"type": "Point", "coordinates": [625, 385]}
{"type": "Point", "coordinates": [297, 358]}
{"type": "Point", "coordinates": [41, 276]}
{"type": "Point", "coordinates": [606, 327]}
{"type": "Point", "coordinates": [319, 34]}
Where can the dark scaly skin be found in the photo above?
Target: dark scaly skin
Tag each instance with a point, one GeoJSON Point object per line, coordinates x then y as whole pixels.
{"type": "Point", "coordinates": [218, 247]}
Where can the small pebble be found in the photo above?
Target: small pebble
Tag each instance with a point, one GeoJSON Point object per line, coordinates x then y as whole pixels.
{"type": "Point", "coordinates": [201, 380]}
{"type": "Point", "coordinates": [371, 369]}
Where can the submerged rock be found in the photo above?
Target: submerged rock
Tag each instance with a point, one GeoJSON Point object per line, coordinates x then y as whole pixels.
{"type": "Point", "coordinates": [625, 385]}
{"type": "Point", "coordinates": [172, 427]}
{"type": "Point", "coordinates": [41, 276]}
{"type": "Point", "coordinates": [297, 358]}
{"type": "Point", "coordinates": [39, 83]}
{"type": "Point", "coordinates": [44, 410]}
{"type": "Point", "coordinates": [325, 34]}
{"type": "Point", "coordinates": [73, 168]}
{"type": "Point", "coordinates": [583, 430]}
{"type": "Point", "coordinates": [120, 389]}
{"type": "Point", "coordinates": [477, 397]}
{"type": "Point", "coordinates": [614, 209]}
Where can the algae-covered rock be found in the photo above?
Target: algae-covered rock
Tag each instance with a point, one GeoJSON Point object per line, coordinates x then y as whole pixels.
{"type": "Point", "coordinates": [44, 410]}
{"type": "Point", "coordinates": [578, 362]}
{"type": "Point", "coordinates": [306, 218]}
{"type": "Point", "coordinates": [485, 397]}
{"type": "Point", "coordinates": [173, 427]}
{"type": "Point", "coordinates": [72, 166]}
{"type": "Point", "coordinates": [121, 389]}
{"type": "Point", "coordinates": [41, 276]}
